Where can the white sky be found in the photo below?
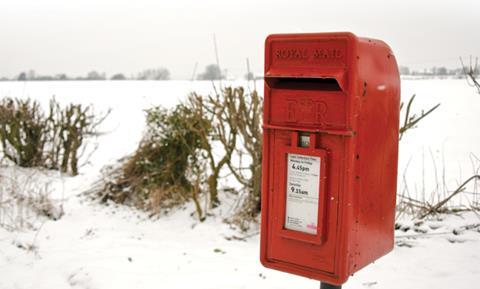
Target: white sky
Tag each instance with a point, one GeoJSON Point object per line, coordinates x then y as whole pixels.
{"type": "Point", "coordinates": [54, 36]}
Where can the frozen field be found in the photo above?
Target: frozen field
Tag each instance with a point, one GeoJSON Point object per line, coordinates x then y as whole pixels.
{"type": "Point", "coordinates": [95, 246]}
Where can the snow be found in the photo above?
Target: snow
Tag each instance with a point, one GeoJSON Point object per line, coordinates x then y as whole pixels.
{"type": "Point", "coordinates": [97, 246]}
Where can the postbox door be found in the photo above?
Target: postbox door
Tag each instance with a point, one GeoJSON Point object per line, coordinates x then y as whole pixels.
{"type": "Point", "coordinates": [307, 237]}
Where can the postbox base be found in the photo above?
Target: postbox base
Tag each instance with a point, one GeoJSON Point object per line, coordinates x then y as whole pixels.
{"type": "Point", "coordinates": [324, 285]}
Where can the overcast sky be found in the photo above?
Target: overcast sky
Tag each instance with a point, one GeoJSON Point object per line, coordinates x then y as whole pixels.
{"type": "Point", "coordinates": [54, 36]}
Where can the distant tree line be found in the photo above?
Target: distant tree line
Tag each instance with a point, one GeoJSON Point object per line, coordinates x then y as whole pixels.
{"type": "Point", "coordinates": [434, 71]}
{"type": "Point", "coordinates": [211, 72]}
{"type": "Point", "coordinates": [147, 74]}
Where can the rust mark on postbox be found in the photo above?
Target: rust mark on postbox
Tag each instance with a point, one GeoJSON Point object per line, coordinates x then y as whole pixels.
{"type": "Point", "coordinates": [330, 154]}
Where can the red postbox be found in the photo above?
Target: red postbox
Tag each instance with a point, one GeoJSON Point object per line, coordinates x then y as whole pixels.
{"type": "Point", "coordinates": [331, 117]}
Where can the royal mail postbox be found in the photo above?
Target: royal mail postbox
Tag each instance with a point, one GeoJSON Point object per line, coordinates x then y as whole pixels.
{"type": "Point", "coordinates": [331, 117]}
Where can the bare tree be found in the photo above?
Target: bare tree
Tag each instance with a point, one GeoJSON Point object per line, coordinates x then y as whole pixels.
{"type": "Point", "coordinates": [472, 72]}
{"type": "Point", "coordinates": [94, 75]}
{"type": "Point", "coordinates": [118, 76]}
{"type": "Point", "coordinates": [212, 72]}
{"type": "Point", "coordinates": [154, 74]}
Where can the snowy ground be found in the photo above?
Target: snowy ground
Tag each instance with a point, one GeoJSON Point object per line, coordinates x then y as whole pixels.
{"type": "Point", "coordinates": [93, 246]}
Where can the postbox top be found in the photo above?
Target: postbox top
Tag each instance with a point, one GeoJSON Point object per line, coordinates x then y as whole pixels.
{"type": "Point", "coordinates": [316, 55]}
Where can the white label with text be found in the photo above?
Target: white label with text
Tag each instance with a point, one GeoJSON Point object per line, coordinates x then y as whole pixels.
{"type": "Point", "coordinates": [303, 185]}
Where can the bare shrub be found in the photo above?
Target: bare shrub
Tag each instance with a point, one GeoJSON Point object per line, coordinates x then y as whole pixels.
{"type": "Point", "coordinates": [68, 128]}
{"type": "Point", "coordinates": [244, 115]}
{"type": "Point", "coordinates": [236, 120]}
{"type": "Point", "coordinates": [441, 205]}
{"type": "Point", "coordinates": [30, 138]}
{"type": "Point", "coordinates": [464, 197]}
{"type": "Point", "coordinates": [165, 171]}
{"type": "Point", "coordinates": [24, 200]}
{"type": "Point", "coordinates": [423, 208]}
{"type": "Point", "coordinates": [186, 151]}
{"type": "Point", "coordinates": [23, 131]}
{"type": "Point", "coordinates": [406, 204]}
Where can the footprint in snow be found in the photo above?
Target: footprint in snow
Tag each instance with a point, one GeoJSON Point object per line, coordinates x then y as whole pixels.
{"type": "Point", "coordinates": [370, 284]}
{"type": "Point", "coordinates": [80, 279]}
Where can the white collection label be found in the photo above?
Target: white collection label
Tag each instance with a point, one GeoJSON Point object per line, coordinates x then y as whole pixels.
{"type": "Point", "coordinates": [303, 185]}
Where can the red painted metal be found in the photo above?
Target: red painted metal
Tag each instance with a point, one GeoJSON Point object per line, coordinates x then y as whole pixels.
{"type": "Point", "coordinates": [343, 92]}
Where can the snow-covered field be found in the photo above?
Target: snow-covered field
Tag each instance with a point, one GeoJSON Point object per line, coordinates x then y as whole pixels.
{"type": "Point", "coordinates": [93, 246]}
